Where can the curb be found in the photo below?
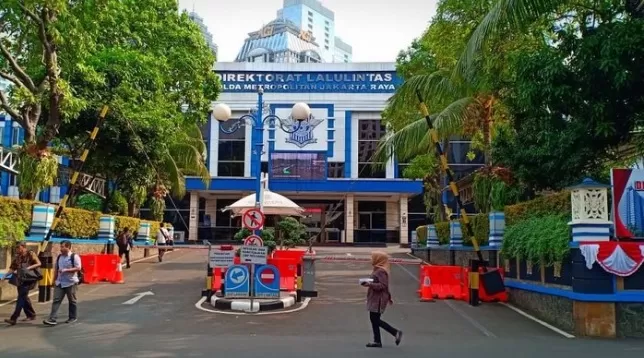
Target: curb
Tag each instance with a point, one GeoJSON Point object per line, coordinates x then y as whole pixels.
{"type": "Point", "coordinates": [244, 305]}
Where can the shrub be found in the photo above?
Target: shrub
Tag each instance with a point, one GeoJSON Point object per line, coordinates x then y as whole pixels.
{"type": "Point", "coordinates": [11, 231]}
{"type": "Point", "coordinates": [556, 204]}
{"type": "Point", "coordinates": [480, 225]}
{"type": "Point", "coordinates": [267, 235]}
{"type": "Point", "coordinates": [545, 237]}
{"type": "Point", "coordinates": [442, 230]}
{"type": "Point", "coordinates": [74, 223]}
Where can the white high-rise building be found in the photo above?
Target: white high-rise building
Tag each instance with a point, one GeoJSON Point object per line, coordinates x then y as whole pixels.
{"type": "Point", "coordinates": [204, 30]}
{"type": "Point", "coordinates": [312, 16]}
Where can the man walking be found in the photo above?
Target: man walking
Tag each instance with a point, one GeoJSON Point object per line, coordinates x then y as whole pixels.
{"type": "Point", "coordinates": [162, 236]}
{"type": "Point", "coordinates": [66, 279]}
{"type": "Point", "coordinates": [25, 260]}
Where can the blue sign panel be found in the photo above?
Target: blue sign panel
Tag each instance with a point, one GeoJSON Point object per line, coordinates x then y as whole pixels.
{"type": "Point", "coordinates": [310, 82]}
{"type": "Point", "coordinates": [267, 282]}
{"type": "Point", "coordinates": [237, 283]}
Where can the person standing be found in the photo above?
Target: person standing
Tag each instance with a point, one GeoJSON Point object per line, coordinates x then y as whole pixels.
{"type": "Point", "coordinates": [25, 260]}
{"type": "Point", "coordinates": [162, 237]}
{"type": "Point", "coordinates": [378, 298]}
{"type": "Point", "coordinates": [66, 280]}
{"type": "Point", "coordinates": [124, 243]}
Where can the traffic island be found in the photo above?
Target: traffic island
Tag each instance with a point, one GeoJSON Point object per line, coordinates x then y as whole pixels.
{"type": "Point", "coordinates": [259, 304]}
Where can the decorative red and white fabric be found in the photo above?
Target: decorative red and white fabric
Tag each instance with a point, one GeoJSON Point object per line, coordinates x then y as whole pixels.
{"type": "Point", "coordinates": [618, 258]}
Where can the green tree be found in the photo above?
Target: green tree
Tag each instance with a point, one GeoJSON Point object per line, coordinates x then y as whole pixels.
{"type": "Point", "coordinates": [427, 168]}
{"type": "Point", "coordinates": [575, 104]}
{"type": "Point", "coordinates": [510, 16]}
{"type": "Point", "coordinates": [35, 42]}
{"type": "Point", "coordinates": [464, 105]}
{"type": "Point", "coordinates": [151, 140]}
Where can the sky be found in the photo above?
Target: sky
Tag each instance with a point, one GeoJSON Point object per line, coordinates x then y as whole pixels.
{"type": "Point", "coordinates": [376, 29]}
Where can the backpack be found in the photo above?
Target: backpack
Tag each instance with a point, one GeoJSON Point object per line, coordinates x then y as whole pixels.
{"type": "Point", "coordinates": [81, 273]}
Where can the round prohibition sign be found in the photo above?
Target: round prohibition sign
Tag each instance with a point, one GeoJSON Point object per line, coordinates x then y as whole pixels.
{"type": "Point", "coordinates": [253, 219]}
{"type": "Point", "coordinates": [253, 240]}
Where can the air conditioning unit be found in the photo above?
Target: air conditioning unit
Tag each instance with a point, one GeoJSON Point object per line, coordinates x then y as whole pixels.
{"type": "Point", "coordinates": [179, 236]}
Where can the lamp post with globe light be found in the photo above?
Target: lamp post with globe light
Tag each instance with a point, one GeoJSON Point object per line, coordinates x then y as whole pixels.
{"type": "Point", "coordinates": [300, 112]}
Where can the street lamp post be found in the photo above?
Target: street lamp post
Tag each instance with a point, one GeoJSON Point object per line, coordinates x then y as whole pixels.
{"type": "Point", "coordinates": [222, 113]}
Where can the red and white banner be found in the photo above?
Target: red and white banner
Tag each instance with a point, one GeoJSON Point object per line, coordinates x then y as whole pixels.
{"type": "Point", "coordinates": [619, 258]}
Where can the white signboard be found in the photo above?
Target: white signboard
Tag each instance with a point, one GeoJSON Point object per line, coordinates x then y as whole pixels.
{"type": "Point", "coordinates": [253, 255]}
{"type": "Point", "coordinates": [219, 258]}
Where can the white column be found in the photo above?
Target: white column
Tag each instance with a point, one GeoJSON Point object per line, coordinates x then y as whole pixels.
{"type": "Point", "coordinates": [193, 230]}
{"type": "Point", "coordinates": [392, 215]}
{"type": "Point", "coordinates": [211, 209]}
{"type": "Point", "coordinates": [349, 222]}
{"type": "Point", "coordinates": [404, 221]}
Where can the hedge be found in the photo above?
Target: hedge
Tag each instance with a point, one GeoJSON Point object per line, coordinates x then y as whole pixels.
{"type": "Point", "coordinates": [74, 223]}
{"type": "Point", "coordinates": [553, 204]}
{"type": "Point", "coordinates": [480, 226]}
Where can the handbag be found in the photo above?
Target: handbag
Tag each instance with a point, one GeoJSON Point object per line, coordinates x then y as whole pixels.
{"type": "Point", "coordinates": [27, 276]}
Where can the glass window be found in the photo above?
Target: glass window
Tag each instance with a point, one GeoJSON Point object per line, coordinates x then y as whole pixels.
{"type": "Point", "coordinates": [231, 149]}
{"type": "Point", "coordinates": [230, 169]}
{"type": "Point", "coordinates": [335, 170]}
{"type": "Point", "coordinates": [15, 136]}
{"type": "Point", "coordinates": [369, 133]}
{"type": "Point", "coordinates": [1, 134]}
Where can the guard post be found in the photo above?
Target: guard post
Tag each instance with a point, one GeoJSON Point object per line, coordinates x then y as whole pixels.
{"type": "Point", "coordinates": [307, 278]}
{"type": "Point", "coordinates": [208, 291]}
{"type": "Point", "coordinates": [474, 281]}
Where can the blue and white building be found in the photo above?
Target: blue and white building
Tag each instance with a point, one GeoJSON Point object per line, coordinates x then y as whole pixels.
{"type": "Point", "coordinates": [326, 170]}
{"type": "Point", "coordinates": [11, 135]}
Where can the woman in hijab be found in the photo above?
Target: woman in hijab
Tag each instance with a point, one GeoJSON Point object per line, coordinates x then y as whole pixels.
{"type": "Point", "coordinates": [378, 297]}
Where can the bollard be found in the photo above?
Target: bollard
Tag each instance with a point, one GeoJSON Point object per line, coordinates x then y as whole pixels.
{"type": "Point", "coordinates": [47, 282]}
{"type": "Point", "coordinates": [298, 283]}
{"type": "Point", "coordinates": [208, 290]}
{"type": "Point", "coordinates": [474, 282]}
{"type": "Point", "coordinates": [308, 278]}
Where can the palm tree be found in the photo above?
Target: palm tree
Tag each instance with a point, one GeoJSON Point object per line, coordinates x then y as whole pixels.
{"type": "Point", "coordinates": [185, 156]}
{"type": "Point", "coordinates": [512, 15]}
{"type": "Point", "coordinates": [467, 109]}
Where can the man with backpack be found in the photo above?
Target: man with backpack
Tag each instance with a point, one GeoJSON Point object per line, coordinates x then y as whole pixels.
{"type": "Point", "coordinates": [66, 276]}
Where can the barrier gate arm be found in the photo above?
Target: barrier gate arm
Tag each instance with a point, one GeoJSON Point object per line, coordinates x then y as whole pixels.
{"type": "Point", "coordinates": [450, 176]}
{"type": "Point", "coordinates": [474, 264]}
{"type": "Point", "coordinates": [74, 178]}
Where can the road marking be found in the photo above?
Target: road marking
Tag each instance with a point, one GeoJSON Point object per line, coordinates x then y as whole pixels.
{"type": "Point", "coordinates": [471, 320]}
{"type": "Point", "coordinates": [199, 306]}
{"type": "Point", "coordinates": [137, 297]}
{"type": "Point", "coordinates": [417, 258]}
{"type": "Point", "coordinates": [529, 316]}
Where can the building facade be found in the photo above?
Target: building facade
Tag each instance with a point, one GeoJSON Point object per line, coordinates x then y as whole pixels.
{"type": "Point", "coordinates": [12, 135]}
{"type": "Point", "coordinates": [325, 167]}
{"type": "Point", "coordinates": [280, 41]}
{"type": "Point", "coordinates": [312, 16]}
{"type": "Point", "coordinates": [204, 30]}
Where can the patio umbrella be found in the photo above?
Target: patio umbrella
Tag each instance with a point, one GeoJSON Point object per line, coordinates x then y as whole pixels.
{"type": "Point", "coordinates": [274, 204]}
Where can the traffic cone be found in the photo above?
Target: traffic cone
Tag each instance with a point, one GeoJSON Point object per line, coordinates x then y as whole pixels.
{"type": "Point", "coordinates": [426, 294]}
{"type": "Point", "coordinates": [118, 275]}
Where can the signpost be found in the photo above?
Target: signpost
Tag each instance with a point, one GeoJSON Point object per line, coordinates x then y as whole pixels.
{"type": "Point", "coordinates": [221, 258]}
{"type": "Point", "coordinates": [237, 281]}
{"type": "Point", "coordinates": [255, 255]}
{"type": "Point", "coordinates": [267, 282]}
{"type": "Point", "coordinates": [253, 240]}
{"type": "Point", "coordinates": [253, 219]}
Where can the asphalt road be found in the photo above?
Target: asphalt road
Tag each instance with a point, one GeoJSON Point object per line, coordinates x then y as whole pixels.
{"type": "Point", "coordinates": [168, 324]}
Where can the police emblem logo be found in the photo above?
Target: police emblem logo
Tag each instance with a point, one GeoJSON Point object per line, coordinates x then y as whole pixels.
{"type": "Point", "coordinates": [303, 136]}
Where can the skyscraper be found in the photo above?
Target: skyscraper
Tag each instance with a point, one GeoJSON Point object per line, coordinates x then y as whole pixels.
{"type": "Point", "coordinates": [204, 30]}
{"type": "Point", "coordinates": [312, 16]}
